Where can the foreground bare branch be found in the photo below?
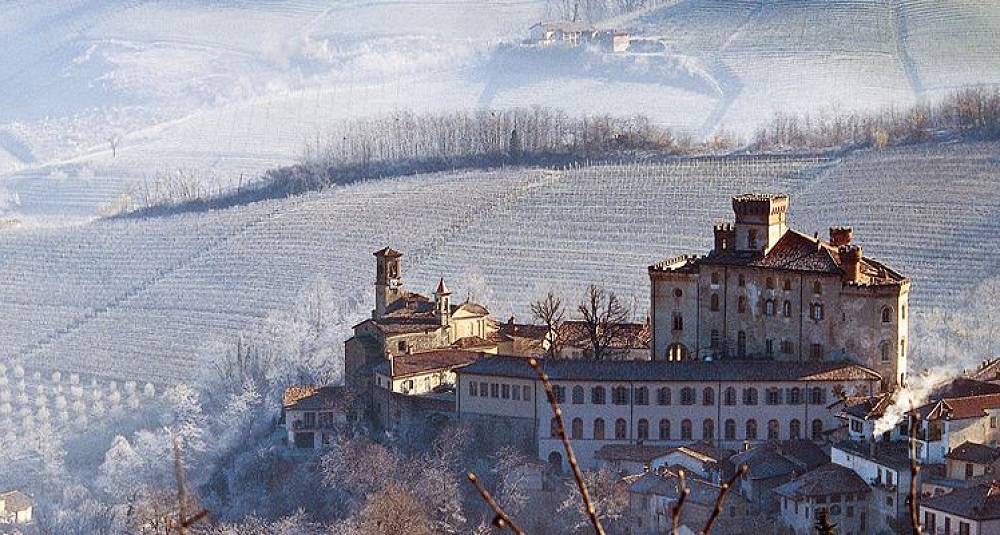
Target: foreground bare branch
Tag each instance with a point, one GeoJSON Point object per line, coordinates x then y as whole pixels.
{"type": "Point", "coordinates": [502, 520]}
{"type": "Point", "coordinates": [675, 511]}
{"type": "Point", "coordinates": [570, 456]}
{"type": "Point", "coordinates": [722, 497]}
{"type": "Point", "coordinates": [914, 472]}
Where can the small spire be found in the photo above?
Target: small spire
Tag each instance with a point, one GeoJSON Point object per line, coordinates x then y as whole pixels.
{"type": "Point", "coordinates": [442, 289]}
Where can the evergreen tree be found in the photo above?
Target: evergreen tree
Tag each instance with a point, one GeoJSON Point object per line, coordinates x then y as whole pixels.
{"type": "Point", "coordinates": [515, 150]}
{"type": "Point", "coordinates": [823, 525]}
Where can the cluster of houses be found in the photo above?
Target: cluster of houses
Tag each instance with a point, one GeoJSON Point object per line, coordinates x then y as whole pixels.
{"type": "Point", "coordinates": [778, 351]}
{"type": "Point", "coordinates": [577, 33]}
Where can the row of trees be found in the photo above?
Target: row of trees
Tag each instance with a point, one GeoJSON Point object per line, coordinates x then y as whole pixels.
{"type": "Point", "coordinates": [604, 325]}
{"type": "Point", "coordinates": [971, 112]}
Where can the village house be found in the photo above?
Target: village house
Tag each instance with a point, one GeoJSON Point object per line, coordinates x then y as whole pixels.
{"type": "Point", "coordinates": [698, 459]}
{"type": "Point", "coordinates": [768, 292]}
{"type": "Point", "coordinates": [578, 33]}
{"type": "Point", "coordinates": [971, 461]}
{"type": "Point", "coordinates": [772, 464]}
{"type": "Point", "coordinates": [835, 488]}
{"type": "Point", "coordinates": [885, 467]}
{"type": "Point", "coordinates": [313, 416]}
{"type": "Point", "coordinates": [15, 508]}
{"type": "Point", "coordinates": [652, 496]}
{"type": "Point", "coordinates": [969, 511]}
{"type": "Point", "coordinates": [725, 403]}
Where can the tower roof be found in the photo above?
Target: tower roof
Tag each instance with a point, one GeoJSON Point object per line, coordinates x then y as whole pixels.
{"type": "Point", "coordinates": [442, 289]}
{"type": "Point", "coordinates": [389, 252]}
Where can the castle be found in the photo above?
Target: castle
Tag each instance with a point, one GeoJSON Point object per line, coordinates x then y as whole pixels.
{"type": "Point", "coordinates": [767, 291]}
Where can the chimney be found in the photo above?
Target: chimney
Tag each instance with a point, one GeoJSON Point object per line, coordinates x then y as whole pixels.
{"type": "Point", "coordinates": [840, 236]}
{"type": "Point", "coordinates": [850, 257]}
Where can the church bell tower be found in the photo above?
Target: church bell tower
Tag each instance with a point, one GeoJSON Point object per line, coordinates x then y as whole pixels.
{"type": "Point", "coordinates": [388, 280]}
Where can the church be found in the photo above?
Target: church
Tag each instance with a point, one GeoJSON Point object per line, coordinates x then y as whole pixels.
{"type": "Point", "coordinates": [769, 292]}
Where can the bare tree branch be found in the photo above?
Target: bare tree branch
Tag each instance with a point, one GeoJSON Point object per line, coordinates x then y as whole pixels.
{"type": "Point", "coordinates": [502, 520]}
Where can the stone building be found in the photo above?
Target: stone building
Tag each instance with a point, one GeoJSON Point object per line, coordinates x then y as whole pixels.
{"type": "Point", "coordinates": [726, 403]}
{"type": "Point", "coordinates": [970, 511]}
{"type": "Point", "coordinates": [654, 494]}
{"type": "Point", "coordinates": [313, 416]}
{"type": "Point", "coordinates": [835, 488]}
{"type": "Point", "coordinates": [405, 322]}
{"type": "Point", "coordinates": [766, 291]}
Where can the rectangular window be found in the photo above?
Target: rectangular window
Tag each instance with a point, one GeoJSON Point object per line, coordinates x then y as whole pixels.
{"type": "Point", "coordinates": [969, 470]}
{"type": "Point", "coordinates": [473, 388]}
{"type": "Point", "coordinates": [494, 390]}
{"type": "Point", "coordinates": [678, 322]}
{"type": "Point", "coordinates": [516, 393]}
{"type": "Point", "coordinates": [993, 422]}
{"type": "Point", "coordinates": [769, 347]}
{"type": "Point", "coordinates": [787, 347]}
{"type": "Point", "coordinates": [505, 391]}
{"type": "Point", "coordinates": [963, 528]}
{"type": "Point", "coordinates": [773, 396]}
{"type": "Point", "coordinates": [526, 390]}
{"type": "Point", "coordinates": [816, 351]}
{"type": "Point", "coordinates": [483, 389]}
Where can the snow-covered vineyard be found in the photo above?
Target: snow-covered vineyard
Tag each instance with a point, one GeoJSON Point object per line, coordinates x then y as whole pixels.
{"type": "Point", "coordinates": [137, 300]}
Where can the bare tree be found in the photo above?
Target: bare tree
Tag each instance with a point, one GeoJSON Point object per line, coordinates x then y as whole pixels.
{"type": "Point", "coordinates": [606, 320]}
{"type": "Point", "coordinates": [394, 510]}
{"type": "Point", "coordinates": [549, 311]}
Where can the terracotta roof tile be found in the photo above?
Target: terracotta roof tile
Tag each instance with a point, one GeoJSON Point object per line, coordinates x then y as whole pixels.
{"type": "Point", "coordinates": [974, 453]}
{"type": "Point", "coordinates": [428, 361]}
{"type": "Point", "coordinates": [310, 397]}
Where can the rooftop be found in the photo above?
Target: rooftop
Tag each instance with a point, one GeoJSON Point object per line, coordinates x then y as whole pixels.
{"type": "Point", "coordinates": [971, 452]}
{"type": "Point", "coordinates": [666, 483]}
{"type": "Point", "coordinates": [429, 361]}
{"type": "Point", "coordinates": [635, 370]}
{"type": "Point", "coordinates": [824, 481]}
{"type": "Point", "coordinates": [890, 454]}
{"type": "Point", "coordinates": [794, 251]}
{"type": "Point", "coordinates": [774, 459]}
{"type": "Point", "coordinates": [869, 408]}
{"type": "Point", "coordinates": [981, 502]}
{"type": "Point", "coordinates": [639, 453]}
{"type": "Point", "coordinates": [311, 397]}
{"type": "Point", "coordinates": [15, 501]}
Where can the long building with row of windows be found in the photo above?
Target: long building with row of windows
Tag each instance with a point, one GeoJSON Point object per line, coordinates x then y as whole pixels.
{"type": "Point", "coordinates": [727, 403]}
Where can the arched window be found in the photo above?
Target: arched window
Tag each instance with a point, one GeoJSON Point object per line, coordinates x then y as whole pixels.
{"type": "Point", "coordinates": [886, 314]}
{"type": "Point", "coordinates": [786, 309]}
{"type": "Point", "coordinates": [560, 393]}
{"type": "Point", "coordinates": [817, 396]}
{"type": "Point", "coordinates": [708, 396]}
{"type": "Point", "coordinates": [686, 429]}
{"type": "Point", "coordinates": [730, 396]}
{"type": "Point", "coordinates": [794, 396]}
{"type": "Point", "coordinates": [751, 430]}
{"type": "Point", "coordinates": [816, 311]}
{"type": "Point", "coordinates": [773, 430]}
{"type": "Point", "coordinates": [687, 396]}
{"type": "Point", "coordinates": [554, 428]}
{"type": "Point", "coordinates": [642, 396]}
{"type": "Point", "coordinates": [642, 429]}
{"type": "Point", "coordinates": [741, 304]}
{"type": "Point", "coordinates": [599, 429]}
{"type": "Point", "coordinates": [769, 307]}
{"type": "Point", "coordinates": [788, 285]}
{"type": "Point", "coordinates": [741, 280]}
{"type": "Point", "coordinates": [885, 351]}
{"type": "Point", "coordinates": [818, 288]}
{"type": "Point", "coordinates": [770, 283]}
{"type": "Point", "coordinates": [664, 429]}
{"type": "Point", "coordinates": [663, 396]}
{"type": "Point", "coordinates": [577, 395]}
{"type": "Point", "coordinates": [619, 395]}
{"type": "Point", "coordinates": [741, 344]}
{"type": "Point", "coordinates": [577, 428]}
{"type": "Point", "coordinates": [621, 429]}
{"type": "Point", "coordinates": [597, 395]}
{"type": "Point", "coordinates": [677, 352]}
{"type": "Point", "coordinates": [794, 429]}
{"type": "Point", "coordinates": [730, 429]}
{"type": "Point", "coordinates": [817, 429]}
{"type": "Point", "coordinates": [715, 302]}
{"type": "Point", "coordinates": [708, 429]}
{"type": "Point", "coordinates": [750, 396]}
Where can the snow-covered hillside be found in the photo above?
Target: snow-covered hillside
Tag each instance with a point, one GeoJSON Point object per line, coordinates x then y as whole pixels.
{"type": "Point", "coordinates": [229, 89]}
{"type": "Point", "coordinates": [137, 299]}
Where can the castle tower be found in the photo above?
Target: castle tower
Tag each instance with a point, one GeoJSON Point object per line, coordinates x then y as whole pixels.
{"type": "Point", "coordinates": [760, 220]}
{"type": "Point", "coordinates": [442, 302]}
{"type": "Point", "coordinates": [388, 280]}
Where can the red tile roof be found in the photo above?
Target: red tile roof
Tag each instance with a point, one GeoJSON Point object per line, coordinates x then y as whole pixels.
{"type": "Point", "coordinates": [974, 453]}
{"type": "Point", "coordinates": [430, 361]}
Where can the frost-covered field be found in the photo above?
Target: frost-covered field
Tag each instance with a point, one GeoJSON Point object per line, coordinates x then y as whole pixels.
{"type": "Point", "coordinates": [139, 300]}
{"type": "Point", "coordinates": [230, 89]}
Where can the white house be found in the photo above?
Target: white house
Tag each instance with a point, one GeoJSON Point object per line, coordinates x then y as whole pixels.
{"type": "Point", "coordinates": [15, 508]}
{"type": "Point", "coordinates": [970, 511]}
